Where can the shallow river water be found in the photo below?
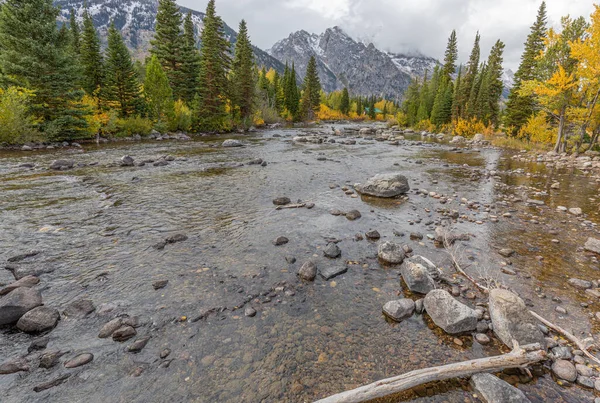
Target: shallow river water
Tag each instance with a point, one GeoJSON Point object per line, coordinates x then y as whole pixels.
{"type": "Point", "coordinates": [95, 227]}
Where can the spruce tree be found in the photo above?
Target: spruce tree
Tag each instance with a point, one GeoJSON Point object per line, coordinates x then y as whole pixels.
{"type": "Point", "coordinates": [35, 55]}
{"type": "Point", "coordinates": [519, 108]}
{"type": "Point", "coordinates": [423, 108]}
{"type": "Point", "coordinates": [167, 45]}
{"type": "Point", "coordinates": [473, 106]}
{"type": "Point", "coordinates": [242, 76]}
{"type": "Point", "coordinates": [360, 108]}
{"type": "Point", "coordinates": [493, 84]}
{"type": "Point", "coordinates": [190, 67]}
{"type": "Point", "coordinates": [466, 86]}
{"type": "Point", "coordinates": [345, 102]}
{"type": "Point", "coordinates": [278, 90]}
{"type": "Point", "coordinates": [75, 31]}
{"type": "Point", "coordinates": [410, 107]}
{"type": "Point", "coordinates": [122, 88]}
{"type": "Point", "coordinates": [214, 65]}
{"type": "Point", "coordinates": [450, 57]}
{"type": "Point", "coordinates": [372, 112]}
{"type": "Point", "coordinates": [312, 84]}
{"type": "Point", "coordinates": [92, 64]}
{"type": "Point", "coordinates": [432, 90]}
{"type": "Point", "coordinates": [293, 95]}
{"type": "Point", "coordinates": [157, 91]}
{"type": "Point", "coordinates": [457, 100]}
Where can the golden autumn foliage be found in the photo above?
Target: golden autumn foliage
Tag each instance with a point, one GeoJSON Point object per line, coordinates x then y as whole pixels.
{"type": "Point", "coordinates": [538, 130]}
{"type": "Point", "coordinates": [469, 127]}
{"type": "Point", "coordinates": [17, 125]}
{"type": "Point", "coordinates": [326, 113]}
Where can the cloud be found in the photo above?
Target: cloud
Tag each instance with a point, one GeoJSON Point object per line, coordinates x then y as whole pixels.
{"type": "Point", "coordinates": [399, 25]}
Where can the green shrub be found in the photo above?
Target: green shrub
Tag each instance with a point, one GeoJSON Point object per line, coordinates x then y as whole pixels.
{"type": "Point", "coordinates": [127, 127]}
{"type": "Point", "coordinates": [182, 117]}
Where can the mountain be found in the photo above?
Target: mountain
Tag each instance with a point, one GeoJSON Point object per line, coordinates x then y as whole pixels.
{"type": "Point", "coordinates": [136, 20]}
{"type": "Point", "coordinates": [344, 62]}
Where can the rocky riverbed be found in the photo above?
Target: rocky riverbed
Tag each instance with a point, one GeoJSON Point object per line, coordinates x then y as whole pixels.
{"type": "Point", "coordinates": [256, 270]}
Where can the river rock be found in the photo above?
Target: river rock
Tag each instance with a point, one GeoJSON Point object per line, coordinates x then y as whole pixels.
{"type": "Point", "coordinates": [506, 252]}
{"type": "Point", "coordinates": [280, 241]}
{"type": "Point", "coordinates": [109, 328]}
{"type": "Point", "coordinates": [127, 161]}
{"type": "Point", "coordinates": [232, 143]}
{"type": "Point", "coordinates": [50, 384]}
{"type": "Point", "coordinates": [249, 312]}
{"type": "Point", "coordinates": [494, 390]}
{"type": "Point", "coordinates": [27, 282]}
{"type": "Point", "coordinates": [281, 201]}
{"type": "Point", "coordinates": [390, 252]}
{"type": "Point", "coordinates": [457, 140]}
{"type": "Point", "coordinates": [563, 369]}
{"type": "Point", "coordinates": [23, 256]}
{"type": "Point", "coordinates": [593, 245]}
{"type": "Point", "coordinates": [353, 215]}
{"type": "Point", "coordinates": [373, 235]}
{"type": "Point", "coordinates": [417, 277]}
{"type": "Point", "coordinates": [160, 284]}
{"type": "Point", "coordinates": [38, 320]}
{"type": "Point", "coordinates": [482, 339]}
{"type": "Point", "coordinates": [433, 271]}
{"type": "Point", "coordinates": [399, 309]}
{"type": "Point", "coordinates": [138, 345]}
{"type": "Point", "coordinates": [332, 251]}
{"type": "Point", "coordinates": [62, 164]}
{"type": "Point", "coordinates": [79, 308]}
{"type": "Point", "coordinates": [478, 138]}
{"type": "Point", "coordinates": [176, 238]}
{"type": "Point", "coordinates": [14, 365]}
{"type": "Point", "coordinates": [384, 185]}
{"type": "Point", "coordinates": [512, 320]}
{"type": "Point", "coordinates": [580, 284]}
{"type": "Point", "coordinates": [38, 344]}
{"type": "Point", "coordinates": [16, 304]}
{"type": "Point", "coordinates": [448, 313]}
{"type": "Point", "coordinates": [576, 211]}
{"type": "Point", "coordinates": [308, 271]}
{"type": "Point", "coordinates": [50, 359]}
{"type": "Point", "coordinates": [124, 333]}
{"type": "Point", "coordinates": [79, 360]}
{"type": "Point", "coordinates": [332, 271]}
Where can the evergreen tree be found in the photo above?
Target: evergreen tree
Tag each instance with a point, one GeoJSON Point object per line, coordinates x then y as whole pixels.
{"type": "Point", "coordinates": [75, 32]}
{"type": "Point", "coordinates": [312, 84]}
{"type": "Point", "coordinates": [372, 112]}
{"type": "Point", "coordinates": [450, 57]}
{"type": "Point", "coordinates": [293, 96]}
{"type": "Point", "coordinates": [432, 91]}
{"type": "Point", "coordinates": [423, 108]}
{"type": "Point", "coordinates": [122, 87]}
{"type": "Point", "coordinates": [410, 107]}
{"type": "Point", "coordinates": [158, 92]}
{"type": "Point", "coordinates": [519, 108]}
{"type": "Point", "coordinates": [360, 108]}
{"type": "Point", "coordinates": [466, 86]}
{"type": "Point", "coordinates": [34, 54]}
{"type": "Point", "coordinates": [493, 84]}
{"type": "Point", "coordinates": [278, 90]}
{"type": "Point", "coordinates": [167, 45]}
{"type": "Point", "coordinates": [474, 108]}
{"type": "Point", "coordinates": [345, 102]}
{"type": "Point", "coordinates": [442, 107]}
{"type": "Point", "coordinates": [214, 65]}
{"type": "Point", "coordinates": [457, 100]}
{"type": "Point", "coordinates": [92, 64]}
{"type": "Point", "coordinates": [190, 68]}
{"type": "Point", "coordinates": [243, 83]}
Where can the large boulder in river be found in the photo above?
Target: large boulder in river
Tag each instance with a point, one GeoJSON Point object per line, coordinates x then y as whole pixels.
{"type": "Point", "coordinates": [512, 320]}
{"type": "Point", "coordinates": [433, 271]}
{"type": "Point", "coordinates": [62, 164]}
{"type": "Point", "coordinates": [494, 390]}
{"type": "Point", "coordinates": [38, 320]}
{"type": "Point", "coordinates": [17, 304]}
{"type": "Point", "coordinates": [232, 143]}
{"type": "Point", "coordinates": [592, 245]}
{"type": "Point", "coordinates": [417, 277]}
{"type": "Point", "coordinates": [384, 185]}
{"type": "Point", "coordinates": [450, 314]}
{"type": "Point", "coordinates": [390, 252]}
{"type": "Point", "coordinates": [400, 309]}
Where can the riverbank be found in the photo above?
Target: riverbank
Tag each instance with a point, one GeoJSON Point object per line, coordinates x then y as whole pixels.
{"type": "Point", "coordinates": [190, 254]}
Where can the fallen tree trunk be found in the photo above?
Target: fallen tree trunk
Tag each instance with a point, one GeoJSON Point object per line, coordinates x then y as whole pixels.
{"type": "Point", "coordinates": [519, 357]}
{"type": "Point", "coordinates": [290, 206]}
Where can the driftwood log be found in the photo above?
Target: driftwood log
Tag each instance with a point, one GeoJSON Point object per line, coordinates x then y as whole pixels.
{"type": "Point", "coordinates": [519, 357]}
{"type": "Point", "coordinates": [291, 206]}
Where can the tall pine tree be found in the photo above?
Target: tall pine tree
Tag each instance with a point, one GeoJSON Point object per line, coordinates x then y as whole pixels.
{"type": "Point", "coordinates": [292, 95]}
{"type": "Point", "coordinates": [450, 57]}
{"type": "Point", "coordinates": [312, 90]}
{"type": "Point", "coordinates": [214, 66]}
{"type": "Point", "coordinates": [92, 63]}
{"type": "Point", "coordinates": [122, 87]}
{"type": "Point", "coordinates": [345, 102]}
{"type": "Point", "coordinates": [75, 31]}
{"type": "Point", "coordinates": [519, 108]}
{"type": "Point", "coordinates": [34, 54]}
{"type": "Point", "coordinates": [190, 67]}
{"type": "Point", "coordinates": [242, 77]}
{"type": "Point", "coordinates": [158, 92]}
{"type": "Point", "coordinates": [466, 86]}
{"type": "Point", "coordinates": [494, 84]}
{"type": "Point", "coordinates": [167, 44]}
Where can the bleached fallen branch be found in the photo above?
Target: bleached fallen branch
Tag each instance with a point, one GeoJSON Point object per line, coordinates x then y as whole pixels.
{"type": "Point", "coordinates": [519, 357]}
{"type": "Point", "coordinates": [568, 335]}
{"type": "Point", "coordinates": [289, 206]}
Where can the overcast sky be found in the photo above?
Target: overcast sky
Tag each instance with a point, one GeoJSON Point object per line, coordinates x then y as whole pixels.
{"type": "Point", "coordinates": [398, 25]}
